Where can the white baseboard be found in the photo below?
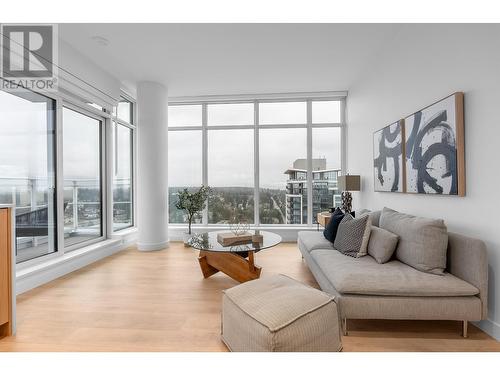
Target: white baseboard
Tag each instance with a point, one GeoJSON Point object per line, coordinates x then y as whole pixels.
{"type": "Point", "coordinates": [490, 327]}
{"type": "Point", "coordinates": [152, 246]}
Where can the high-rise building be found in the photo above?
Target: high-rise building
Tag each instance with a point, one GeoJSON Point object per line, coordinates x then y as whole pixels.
{"type": "Point", "coordinates": [325, 192]}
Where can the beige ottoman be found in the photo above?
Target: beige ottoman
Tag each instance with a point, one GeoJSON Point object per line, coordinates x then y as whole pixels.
{"type": "Point", "coordinates": [279, 314]}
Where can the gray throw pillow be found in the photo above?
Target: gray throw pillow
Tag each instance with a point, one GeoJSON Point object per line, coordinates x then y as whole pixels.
{"type": "Point", "coordinates": [382, 244]}
{"type": "Point", "coordinates": [362, 212]}
{"type": "Point", "coordinates": [352, 236]}
{"type": "Point", "coordinates": [423, 242]}
{"type": "Point", "coordinates": [375, 216]}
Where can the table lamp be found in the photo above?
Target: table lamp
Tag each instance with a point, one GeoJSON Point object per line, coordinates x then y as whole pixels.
{"type": "Point", "coordinates": [347, 184]}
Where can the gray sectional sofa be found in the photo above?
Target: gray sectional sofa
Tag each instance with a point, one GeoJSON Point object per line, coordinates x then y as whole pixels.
{"type": "Point", "coordinates": [366, 289]}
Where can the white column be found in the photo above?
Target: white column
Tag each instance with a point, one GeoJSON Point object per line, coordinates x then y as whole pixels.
{"type": "Point", "coordinates": [152, 186]}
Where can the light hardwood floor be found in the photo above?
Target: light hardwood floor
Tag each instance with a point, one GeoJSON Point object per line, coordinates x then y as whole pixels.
{"type": "Point", "coordinates": [159, 301]}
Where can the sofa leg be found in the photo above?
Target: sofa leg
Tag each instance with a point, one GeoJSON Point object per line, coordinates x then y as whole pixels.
{"type": "Point", "coordinates": [464, 328]}
{"type": "Point", "coordinates": [344, 327]}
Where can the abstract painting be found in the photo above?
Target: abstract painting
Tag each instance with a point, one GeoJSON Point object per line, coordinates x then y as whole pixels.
{"type": "Point", "coordinates": [388, 158]}
{"type": "Point", "coordinates": [434, 149]}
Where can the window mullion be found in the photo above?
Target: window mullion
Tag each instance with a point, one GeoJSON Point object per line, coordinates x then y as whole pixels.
{"type": "Point", "coordinates": [59, 179]}
{"type": "Point", "coordinates": [309, 164]}
{"type": "Point", "coordinates": [108, 176]}
{"type": "Point", "coordinates": [343, 138]}
{"type": "Point", "coordinates": [204, 156]}
{"type": "Point", "coordinates": [256, 196]}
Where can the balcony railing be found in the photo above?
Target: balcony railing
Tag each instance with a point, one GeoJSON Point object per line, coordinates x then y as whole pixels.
{"type": "Point", "coordinates": [82, 205]}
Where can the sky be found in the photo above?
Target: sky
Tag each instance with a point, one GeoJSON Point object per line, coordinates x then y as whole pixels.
{"type": "Point", "coordinates": [81, 146]}
{"type": "Point", "coordinates": [23, 131]}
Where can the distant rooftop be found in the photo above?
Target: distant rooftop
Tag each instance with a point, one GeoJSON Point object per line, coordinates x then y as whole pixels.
{"type": "Point", "coordinates": [318, 165]}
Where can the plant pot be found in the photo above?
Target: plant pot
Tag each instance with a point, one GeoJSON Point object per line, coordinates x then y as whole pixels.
{"type": "Point", "coordinates": [185, 238]}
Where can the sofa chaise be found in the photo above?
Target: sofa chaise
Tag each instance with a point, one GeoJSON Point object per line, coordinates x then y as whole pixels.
{"type": "Point", "coordinates": [366, 289]}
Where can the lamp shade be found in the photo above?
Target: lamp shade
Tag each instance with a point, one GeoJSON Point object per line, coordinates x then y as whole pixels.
{"type": "Point", "coordinates": [349, 182]}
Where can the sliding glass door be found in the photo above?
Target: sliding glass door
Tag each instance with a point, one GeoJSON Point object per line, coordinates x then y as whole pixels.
{"type": "Point", "coordinates": [82, 163]}
{"type": "Point", "coordinates": [28, 170]}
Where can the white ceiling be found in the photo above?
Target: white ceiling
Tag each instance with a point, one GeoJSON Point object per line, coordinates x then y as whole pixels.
{"type": "Point", "coordinates": [212, 59]}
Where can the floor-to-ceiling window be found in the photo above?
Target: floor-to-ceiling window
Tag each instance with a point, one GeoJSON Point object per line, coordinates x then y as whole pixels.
{"type": "Point", "coordinates": [53, 165]}
{"type": "Point", "coordinates": [230, 162]}
{"type": "Point", "coordinates": [28, 170]}
{"type": "Point", "coordinates": [123, 165]}
{"type": "Point", "coordinates": [82, 163]}
{"type": "Point", "coordinates": [184, 156]}
{"type": "Point", "coordinates": [123, 208]}
{"type": "Point", "coordinates": [283, 176]}
{"type": "Point", "coordinates": [268, 161]}
{"type": "Point", "coordinates": [283, 169]}
{"type": "Point", "coordinates": [230, 174]}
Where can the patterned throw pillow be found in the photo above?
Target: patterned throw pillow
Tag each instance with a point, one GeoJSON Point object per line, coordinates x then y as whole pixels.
{"type": "Point", "coordinates": [353, 235]}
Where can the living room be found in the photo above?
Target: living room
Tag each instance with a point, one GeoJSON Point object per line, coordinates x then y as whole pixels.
{"type": "Point", "coordinates": [308, 186]}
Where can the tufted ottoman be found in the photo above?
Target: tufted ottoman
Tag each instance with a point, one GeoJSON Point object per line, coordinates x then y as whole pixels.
{"type": "Point", "coordinates": [279, 314]}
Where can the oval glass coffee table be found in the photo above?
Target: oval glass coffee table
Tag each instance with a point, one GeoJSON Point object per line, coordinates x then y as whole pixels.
{"type": "Point", "coordinates": [236, 260]}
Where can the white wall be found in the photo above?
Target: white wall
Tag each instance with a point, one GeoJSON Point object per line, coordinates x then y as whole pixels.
{"type": "Point", "coordinates": [81, 76]}
{"type": "Point", "coordinates": [421, 64]}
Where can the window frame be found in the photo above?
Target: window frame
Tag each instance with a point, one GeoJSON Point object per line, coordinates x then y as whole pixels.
{"type": "Point", "coordinates": [103, 175]}
{"type": "Point", "coordinates": [256, 100]}
{"type": "Point", "coordinates": [58, 251]}
{"type": "Point", "coordinates": [79, 104]}
{"type": "Point", "coordinates": [124, 98]}
{"type": "Point", "coordinates": [133, 127]}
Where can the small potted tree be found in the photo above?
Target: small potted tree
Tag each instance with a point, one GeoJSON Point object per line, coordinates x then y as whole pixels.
{"type": "Point", "coordinates": [192, 204]}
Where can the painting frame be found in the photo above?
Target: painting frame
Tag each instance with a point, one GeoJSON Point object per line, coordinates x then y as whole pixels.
{"type": "Point", "coordinates": [444, 157]}
{"type": "Point", "coordinates": [380, 163]}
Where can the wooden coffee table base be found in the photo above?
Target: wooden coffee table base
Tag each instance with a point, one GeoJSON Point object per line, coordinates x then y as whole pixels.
{"type": "Point", "coordinates": [231, 264]}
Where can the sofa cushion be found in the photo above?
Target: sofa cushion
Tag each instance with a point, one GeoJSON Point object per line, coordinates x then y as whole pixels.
{"type": "Point", "coordinates": [313, 240]}
{"type": "Point", "coordinates": [365, 276]}
{"type": "Point", "coordinates": [352, 236]}
{"type": "Point", "coordinates": [330, 231]}
{"type": "Point", "coordinates": [382, 244]}
{"type": "Point", "coordinates": [363, 211]}
{"type": "Point", "coordinates": [422, 242]}
{"type": "Point", "coordinates": [375, 216]}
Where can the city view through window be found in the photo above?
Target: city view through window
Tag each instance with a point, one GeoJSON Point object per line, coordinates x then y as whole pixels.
{"type": "Point", "coordinates": [254, 155]}
{"type": "Point", "coordinates": [281, 161]}
{"type": "Point", "coordinates": [28, 172]}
